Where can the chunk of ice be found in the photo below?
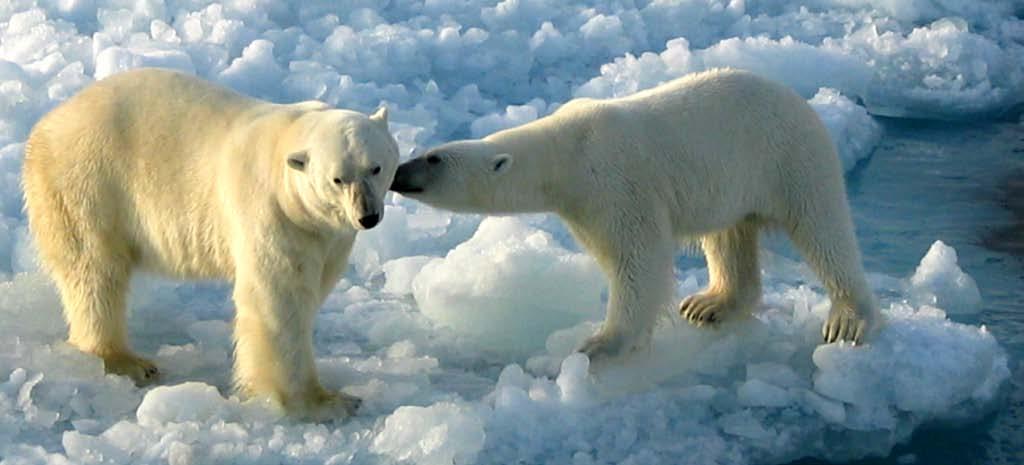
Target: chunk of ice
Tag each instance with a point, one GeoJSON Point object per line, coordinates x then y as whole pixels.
{"type": "Point", "coordinates": [939, 281]}
{"type": "Point", "coordinates": [509, 286]}
{"type": "Point", "coordinates": [441, 434]}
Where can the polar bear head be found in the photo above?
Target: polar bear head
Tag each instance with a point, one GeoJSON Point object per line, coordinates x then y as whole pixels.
{"type": "Point", "coordinates": [476, 176]}
{"type": "Point", "coordinates": [339, 165]}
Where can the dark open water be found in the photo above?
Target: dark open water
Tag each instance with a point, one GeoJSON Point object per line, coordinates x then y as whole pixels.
{"type": "Point", "coordinates": [962, 184]}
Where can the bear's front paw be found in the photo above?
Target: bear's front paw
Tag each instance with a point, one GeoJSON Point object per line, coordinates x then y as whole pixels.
{"type": "Point", "coordinates": [143, 372]}
{"type": "Point", "coordinates": [323, 405]}
{"type": "Point", "coordinates": [844, 325]}
{"type": "Point", "coordinates": [606, 346]}
{"type": "Point", "coordinates": [707, 309]}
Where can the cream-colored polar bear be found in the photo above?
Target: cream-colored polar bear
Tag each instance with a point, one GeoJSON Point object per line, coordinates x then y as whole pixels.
{"type": "Point", "coordinates": [714, 156]}
{"type": "Point", "coordinates": [159, 171]}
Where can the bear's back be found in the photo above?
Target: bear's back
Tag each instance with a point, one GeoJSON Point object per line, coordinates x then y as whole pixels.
{"type": "Point", "coordinates": [139, 150]}
{"type": "Point", "coordinates": [734, 114]}
{"type": "Point", "coordinates": [144, 105]}
{"type": "Point", "coordinates": [745, 135]}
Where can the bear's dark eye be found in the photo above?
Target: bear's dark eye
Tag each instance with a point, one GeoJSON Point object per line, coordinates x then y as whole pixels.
{"type": "Point", "coordinates": [337, 181]}
{"type": "Point", "coordinates": [376, 170]}
{"type": "Point", "coordinates": [433, 159]}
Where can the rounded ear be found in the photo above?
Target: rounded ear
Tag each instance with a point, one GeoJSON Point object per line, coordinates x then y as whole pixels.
{"type": "Point", "coordinates": [297, 161]}
{"type": "Point", "coordinates": [380, 116]}
{"type": "Point", "coordinates": [501, 163]}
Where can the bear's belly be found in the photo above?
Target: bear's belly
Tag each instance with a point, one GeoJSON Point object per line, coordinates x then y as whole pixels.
{"type": "Point", "coordinates": [186, 262]}
{"type": "Point", "coordinates": [188, 246]}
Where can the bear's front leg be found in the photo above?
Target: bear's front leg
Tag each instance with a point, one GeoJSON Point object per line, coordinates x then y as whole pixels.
{"type": "Point", "coordinates": [274, 347]}
{"type": "Point", "coordinates": [636, 255]}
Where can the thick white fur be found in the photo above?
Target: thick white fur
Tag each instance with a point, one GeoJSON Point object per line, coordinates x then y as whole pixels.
{"type": "Point", "coordinates": [159, 171]}
{"type": "Point", "coordinates": [714, 156]}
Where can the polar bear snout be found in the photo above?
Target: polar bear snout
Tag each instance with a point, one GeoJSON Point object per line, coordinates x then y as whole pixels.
{"type": "Point", "coordinates": [413, 175]}
{"type": "Point", "coordinates": [366, 208]}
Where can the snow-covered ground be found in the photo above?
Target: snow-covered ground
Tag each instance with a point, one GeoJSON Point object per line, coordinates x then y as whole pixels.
{"type": "Point", "coordinates": [458, 331]}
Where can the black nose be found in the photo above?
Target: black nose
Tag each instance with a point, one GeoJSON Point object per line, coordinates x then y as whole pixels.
{"type": "Point", "coordinates": [369, 221]}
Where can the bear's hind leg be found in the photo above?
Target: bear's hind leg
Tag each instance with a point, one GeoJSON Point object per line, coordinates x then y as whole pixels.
{"type": "Point", "coordinates": [94, 296]}
{"type": "Point", "coordinates": [830, 247]}
{"type": "Point", "coordinates": [88, 261]}
{"type": "Point", "coordinates": [734, 286]}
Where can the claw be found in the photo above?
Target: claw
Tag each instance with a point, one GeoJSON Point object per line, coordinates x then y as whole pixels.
{"type": "Point", "coordinates": [706, 308]}
{"type": "Point", "coordinates": [140, 370]}
{"type": "Point", "coordinates": [843, 326]}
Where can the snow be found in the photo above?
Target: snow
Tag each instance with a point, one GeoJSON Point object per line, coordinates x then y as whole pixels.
{"type": "Point", "coordinates": [458, 331]}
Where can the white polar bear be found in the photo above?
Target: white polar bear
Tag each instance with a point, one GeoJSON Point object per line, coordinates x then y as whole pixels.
{"type": "Point", "coordinates": [715, 156]}
{"type": "Point", "coordinates": [163, 172]}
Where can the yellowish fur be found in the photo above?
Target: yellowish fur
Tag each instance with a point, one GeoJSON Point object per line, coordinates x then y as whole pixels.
{"type": "Point", "coordinates": [159, 171]}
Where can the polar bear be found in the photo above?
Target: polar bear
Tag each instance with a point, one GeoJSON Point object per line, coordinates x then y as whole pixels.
{"type": "Point", "coordinates": [159, 171]}
{"type": "Point", "coordinates": [713, 156]}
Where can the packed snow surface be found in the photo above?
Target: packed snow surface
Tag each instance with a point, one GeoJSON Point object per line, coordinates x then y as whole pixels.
{"type": "Point", "coordinates": [459, 331]}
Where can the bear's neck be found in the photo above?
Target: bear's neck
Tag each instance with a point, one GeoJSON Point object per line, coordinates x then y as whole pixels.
{"type": "Point", "coordinates": [293, 207]}
{"type": "Point", "coordinates": [288, 186]}
{"type": "Point", "coordinates": [545, 156]}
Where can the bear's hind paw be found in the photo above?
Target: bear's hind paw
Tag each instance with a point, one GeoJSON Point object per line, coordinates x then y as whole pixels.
{"type": "Point", "coordinates": [843, 326]}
